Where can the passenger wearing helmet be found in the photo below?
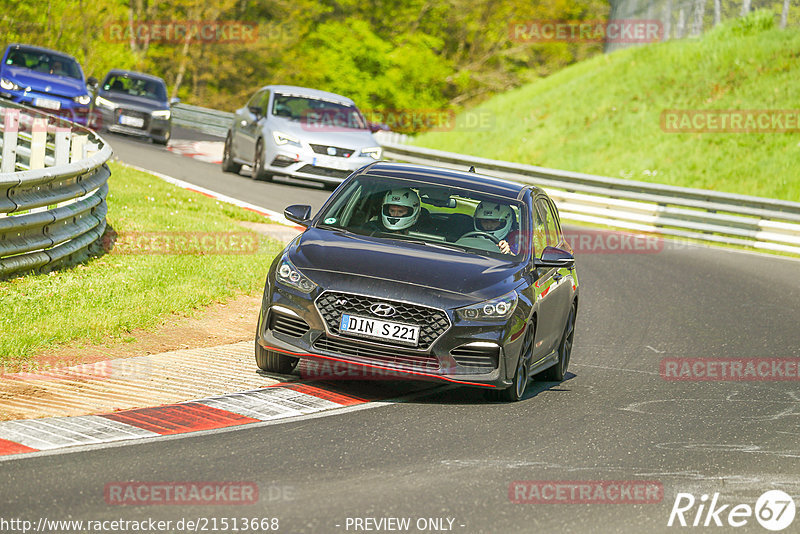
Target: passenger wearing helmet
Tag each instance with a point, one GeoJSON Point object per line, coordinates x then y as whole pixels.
{"type": "Point", "coordinates": [400, 210]}
{"type": "Point", "coordinates": [497, 220]}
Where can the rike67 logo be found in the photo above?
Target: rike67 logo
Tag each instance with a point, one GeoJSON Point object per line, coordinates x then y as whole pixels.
{"type": "Point", "coordinates": [774, 511]}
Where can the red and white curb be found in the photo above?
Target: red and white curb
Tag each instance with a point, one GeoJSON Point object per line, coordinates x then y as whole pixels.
{"type": "Point", "coordinates": [274, 216]}
{"type": "Point", "coordinates": [208, 151]}
{"type": "Point", "coordinates": [281, 401]}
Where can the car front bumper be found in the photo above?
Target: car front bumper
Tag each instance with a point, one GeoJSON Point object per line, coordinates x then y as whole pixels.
{"type": "Point", "coordinates": [304, 163]}
{"type": "Point", "coordinates": [67, 108]}
{"type": "Point", "coordinates": [465, 353]}
{"type": "Point", "coordinates": [109, 119]}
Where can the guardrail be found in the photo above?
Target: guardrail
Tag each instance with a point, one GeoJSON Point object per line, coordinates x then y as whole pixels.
{"type": "Point", "coordinates": [210, 121]}
{"type": "Point", "coordinates": [53, 187]}
{"type": "Point", "coordinates": [215, 122]}
{"type": "Point", "coordinates": [695, 214]}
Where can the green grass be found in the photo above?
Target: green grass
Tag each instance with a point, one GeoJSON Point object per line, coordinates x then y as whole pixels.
{"type": "Point", "coordinates": [602, 116]}
{"type": "Point", "coordinates": [107, 297]}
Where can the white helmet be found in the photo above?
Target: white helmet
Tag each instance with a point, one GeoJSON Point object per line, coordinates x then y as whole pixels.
{"type": "Point", "coordinates": [493, 218]}
{"type": "Point", "coordinates": [406, 198]}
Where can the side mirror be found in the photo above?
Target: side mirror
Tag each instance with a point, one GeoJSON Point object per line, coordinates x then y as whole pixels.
{"type": "Point", "coordinates": [92, 82]}
{"type": "Point", "coordinates": [255, 110]}
{"type": "Point", "coordinates": [553, 257]}
{"type": "Point", "coordinates": [174, 100]}
{"type": "Point", "coordinates": [298, 213]}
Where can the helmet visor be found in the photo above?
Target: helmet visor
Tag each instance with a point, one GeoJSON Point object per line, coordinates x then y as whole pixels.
{"type": "Point", "coordinates": [394, 210]}
{"type": "Point", "coordinates": [489, 225]}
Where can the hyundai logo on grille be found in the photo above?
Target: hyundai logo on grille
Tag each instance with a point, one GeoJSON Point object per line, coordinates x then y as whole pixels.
{"type": "Point", "coordinates": [331, 151]}
{"type": "Point", "coordinates": [383, 310]}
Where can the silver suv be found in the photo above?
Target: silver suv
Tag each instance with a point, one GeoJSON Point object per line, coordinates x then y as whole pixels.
{"type": "Point", "coordinates": [299, 132]}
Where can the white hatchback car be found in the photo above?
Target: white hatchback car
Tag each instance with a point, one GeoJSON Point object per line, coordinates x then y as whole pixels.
{"type": "Point", "coordinates": [299, 132]}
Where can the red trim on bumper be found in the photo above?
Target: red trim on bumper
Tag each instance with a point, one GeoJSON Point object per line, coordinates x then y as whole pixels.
{"type": "Point", "coordinates": [415, 373]}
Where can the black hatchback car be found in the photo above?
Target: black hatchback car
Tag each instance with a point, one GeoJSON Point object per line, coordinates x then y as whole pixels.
{"type": "Point", "coordinates": [133, 103]}
{"type": "Point", "coordinates": [429, 274]}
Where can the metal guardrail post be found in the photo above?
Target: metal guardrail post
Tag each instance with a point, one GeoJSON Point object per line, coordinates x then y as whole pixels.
{"type": "Point", "coordinates": [52, 212]}
{"type": "Point", "coordinates": [10, 131]}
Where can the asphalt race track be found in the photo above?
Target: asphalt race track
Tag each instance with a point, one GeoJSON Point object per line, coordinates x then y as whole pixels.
{"type": "Point", "coordinates": [451, 455]}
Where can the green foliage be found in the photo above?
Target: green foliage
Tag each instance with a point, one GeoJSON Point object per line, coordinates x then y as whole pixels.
{"type": "Point", "coordinates": [603, 116]}
{"type": "Point", "coordinates": [111, 295]}
{"type": "Point", "coordinates": [388, 55]}
{"type": "Point", "coordinates": [751, 24]}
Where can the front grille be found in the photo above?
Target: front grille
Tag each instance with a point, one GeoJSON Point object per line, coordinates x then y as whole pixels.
{"type": "Point", "coordinates": [286, 324]}
{"type": "Point", "coordinates": [324, 171]}
{"type": "Point", "coordinates": [477, 357]}
{"type": "Point", "coordinates": [396, 357]}
{"type": "Point", "coordinates": [338, 151]}
{"type": "Point", "coordinates": [432, 322]}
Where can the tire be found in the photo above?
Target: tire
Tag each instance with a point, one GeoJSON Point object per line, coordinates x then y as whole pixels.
{"type": "Point", "coordinates": [557, 372]}
{"type": "Point", "coordinates": [258, 165]}
{"type": "Point", "coordinates": [274, 362]}
{"type": "Point", "coordinates": [228, 165]}
{"type": "Point", "coordinates": [516, 391]}
{"type": "Point", "coordinates": [163, 141]}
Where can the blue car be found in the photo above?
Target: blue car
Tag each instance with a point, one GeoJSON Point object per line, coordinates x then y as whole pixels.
{"type": "Point", "coordinates": [46, 79]}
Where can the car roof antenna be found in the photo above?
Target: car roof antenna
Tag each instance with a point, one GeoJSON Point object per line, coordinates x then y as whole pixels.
{"type": "Point", "coordinates": [472, 168]}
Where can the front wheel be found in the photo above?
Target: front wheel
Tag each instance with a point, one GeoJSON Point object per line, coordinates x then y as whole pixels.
{"type": "Point", "coordinates": [517, 389]}
{"type": "Point", "coordinates": [258, 165]}
{"type": "Point", "coordinates": [228, 165]}
{"type": "Point", "coordinates": [274, 362]}
{"type": "Point", "coordinates": [557, 372]}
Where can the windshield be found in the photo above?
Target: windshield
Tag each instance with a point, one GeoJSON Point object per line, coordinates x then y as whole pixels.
{"type": "Point", "coordinates": [317, 112]}
{"type": "Point", "coordinates": [133, 86]}
{"type": "Point", "coordinates": [45, 62]}
{"type": "Point", "coordinates": [435, 215]}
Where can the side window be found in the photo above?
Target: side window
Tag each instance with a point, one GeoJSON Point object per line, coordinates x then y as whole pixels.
{"type": "Point", "coordinates": [553, 230]}
{"type": "Point", "coordinates": [539, 227]}
{"type": "Point", "coordinates": [265, 103]}
{"type": "Point", "coordinates": [255, 101]}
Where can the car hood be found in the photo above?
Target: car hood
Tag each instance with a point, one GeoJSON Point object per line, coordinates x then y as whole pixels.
{"type": "Point", "coordinates": [40, 81]}
{"type": "Point", "coordinates": [133, 102]}
{"type": "Point", "coordinates": [349, 262]}
{"type": "Point", "coordinates": [319, 135]}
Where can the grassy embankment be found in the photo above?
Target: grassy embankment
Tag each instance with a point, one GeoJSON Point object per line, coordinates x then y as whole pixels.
{"type": "Point", "coordinates": [603, 116]}
{"type": "Point", "coordinates": [106, 298]}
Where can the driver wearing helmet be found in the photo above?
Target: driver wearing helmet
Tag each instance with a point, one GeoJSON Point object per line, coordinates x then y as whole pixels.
{"type": "Point", "coordinates": [497, 220]}
{"type": "Point", "coordinates": [400, 210]}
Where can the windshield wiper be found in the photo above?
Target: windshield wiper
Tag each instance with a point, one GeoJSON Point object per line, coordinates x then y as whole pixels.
{"type": "Point", "coordinates": [436, 244]}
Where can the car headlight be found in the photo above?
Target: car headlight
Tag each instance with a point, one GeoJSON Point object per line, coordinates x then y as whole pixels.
{"type": "Point", "coordinates": [496, 309]}
{"type": "Point", "coordinates": [8, 85]}
{"type": "Point", "coordinates": [284, 139]}
{"type": "Point", "coordinates": [104, 103]}
{"type": "Point", "coordinates": [373, 152]}
{"type": "Point", "coordinates": [287, 274]}
{"type": "Point", "coordinates": [161, 114]}
{"type": "Point", "coordinates": [83, 100]}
